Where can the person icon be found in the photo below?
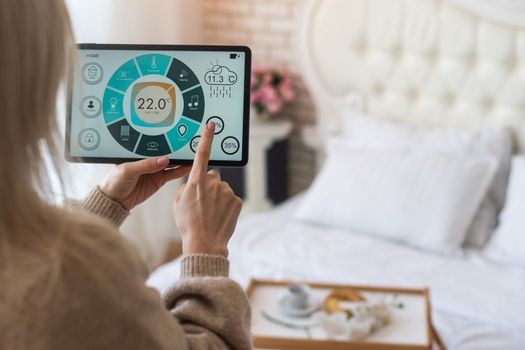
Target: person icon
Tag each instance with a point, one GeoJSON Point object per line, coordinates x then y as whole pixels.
{"type": "Point", "coordinates": [90, 106]}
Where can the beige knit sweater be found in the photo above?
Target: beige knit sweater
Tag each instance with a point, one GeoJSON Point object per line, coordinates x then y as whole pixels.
{"type": "Point", "coordinates": [92, 295]}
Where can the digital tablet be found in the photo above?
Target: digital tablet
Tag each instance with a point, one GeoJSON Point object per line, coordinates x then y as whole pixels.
{"type": "Point", "coordinates": [128, 102]}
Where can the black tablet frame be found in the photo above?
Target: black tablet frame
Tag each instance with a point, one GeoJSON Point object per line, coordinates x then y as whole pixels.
{"type": "Point", "coordinates": [222, 48]}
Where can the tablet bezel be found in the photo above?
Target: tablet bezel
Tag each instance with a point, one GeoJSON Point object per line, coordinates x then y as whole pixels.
{"type": "Point", "coordinates": [131, 47]}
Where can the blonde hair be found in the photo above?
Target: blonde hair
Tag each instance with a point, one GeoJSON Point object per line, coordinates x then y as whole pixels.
{"type": "Point", "coordinates": [35, 39]}
{"type": "Point", "coordinates": [36, 251]}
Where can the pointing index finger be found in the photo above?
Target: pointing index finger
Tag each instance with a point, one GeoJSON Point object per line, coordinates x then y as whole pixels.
{"type": "Point", "coordinates": [200, 165]}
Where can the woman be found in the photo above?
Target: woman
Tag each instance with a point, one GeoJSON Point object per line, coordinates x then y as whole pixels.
{"type": "Point", "coordinates": [67, 278]}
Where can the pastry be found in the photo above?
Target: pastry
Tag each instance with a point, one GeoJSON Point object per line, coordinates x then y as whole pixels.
{"type": "Point", "coordinates": [333, 300]}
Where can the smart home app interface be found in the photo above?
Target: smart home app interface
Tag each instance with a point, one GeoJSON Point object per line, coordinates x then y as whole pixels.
{"type": "Point", "coordinates": [136, 104]}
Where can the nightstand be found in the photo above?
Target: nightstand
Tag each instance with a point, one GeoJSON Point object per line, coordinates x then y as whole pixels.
{"type": "Point", "coordinates": [263, 134]}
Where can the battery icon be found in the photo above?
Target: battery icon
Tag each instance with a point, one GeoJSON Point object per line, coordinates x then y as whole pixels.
{"type": "Point", "coordinates": [234, 56]}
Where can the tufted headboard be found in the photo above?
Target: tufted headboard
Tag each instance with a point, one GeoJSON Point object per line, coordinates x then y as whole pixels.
{"type": "Point", "coordinates": [422, 61]}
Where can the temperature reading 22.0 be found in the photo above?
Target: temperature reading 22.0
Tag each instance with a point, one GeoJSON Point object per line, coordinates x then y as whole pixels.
{"type": "Point", "coordinates": [149, 103]}
{"type": "Point", "coordinates": [153, 104]}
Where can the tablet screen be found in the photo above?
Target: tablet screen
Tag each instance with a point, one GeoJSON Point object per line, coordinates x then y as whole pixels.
{"type": "Point", "coordinates": [131, 102]}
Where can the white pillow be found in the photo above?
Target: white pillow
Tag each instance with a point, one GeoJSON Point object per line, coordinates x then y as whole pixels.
{"type": "Point", "coordinates": [368, 131]}
{"type": "Point", "coordinates": [426, 199]}
{"type": "Point", "coordinates": [508, 242]}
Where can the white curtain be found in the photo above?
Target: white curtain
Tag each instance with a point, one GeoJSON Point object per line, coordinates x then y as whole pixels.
{"type": "Point", "coordinates": [510, 12]}
{"type": "Point", "coordinates": [151, 225]}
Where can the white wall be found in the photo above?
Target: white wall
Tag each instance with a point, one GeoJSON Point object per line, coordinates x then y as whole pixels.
{"type": "Point", "coordinates": [151, 225]}
{"type": "Point", "coordinates": [137, 21]}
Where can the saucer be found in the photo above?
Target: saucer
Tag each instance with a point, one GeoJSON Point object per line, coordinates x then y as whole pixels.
{"type": "Point", "coordinates": [312, 306]}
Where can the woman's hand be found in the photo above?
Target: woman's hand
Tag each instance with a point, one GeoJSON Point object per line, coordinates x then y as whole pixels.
{"type": "Point", "coordinates": [132, 183]}
{"type": "Point", "coordinates": [206, 209]}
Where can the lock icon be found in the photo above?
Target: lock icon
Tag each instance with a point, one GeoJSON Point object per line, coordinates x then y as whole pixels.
{"type": "Point", "coordinates": [89, 138]}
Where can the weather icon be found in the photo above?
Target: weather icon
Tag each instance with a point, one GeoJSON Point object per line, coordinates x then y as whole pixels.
{"type": "Point", "coordinates": [220, 78]}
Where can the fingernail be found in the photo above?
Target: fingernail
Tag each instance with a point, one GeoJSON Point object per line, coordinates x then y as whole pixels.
{"type": "Point", "coordinates": [163, 161]}
{"type": "Point", "coordinates": [211, 126]}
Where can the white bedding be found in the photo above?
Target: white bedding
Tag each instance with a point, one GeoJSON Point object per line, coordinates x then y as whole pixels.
{"type": "Point", "coordinates": [476, 304]}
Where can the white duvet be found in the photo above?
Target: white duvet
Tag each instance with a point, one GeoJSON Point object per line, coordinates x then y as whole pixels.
{"type": "Point", "coordinates": [476, 304]}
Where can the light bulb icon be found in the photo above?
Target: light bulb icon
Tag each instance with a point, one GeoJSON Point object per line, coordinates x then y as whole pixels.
{"type": "Point", "coordinates": [113, 102]}
{"type": "Point", "coordinates": [153, 62]}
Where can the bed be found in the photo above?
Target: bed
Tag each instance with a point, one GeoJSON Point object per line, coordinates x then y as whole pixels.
{"type": "Point", "coordinates": [469, 310]}
{"type": "Point", "coordinates": [428, 62]}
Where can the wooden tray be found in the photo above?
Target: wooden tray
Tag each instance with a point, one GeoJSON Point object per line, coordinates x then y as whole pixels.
{"type": "Point", "coordinates": [268, 335]}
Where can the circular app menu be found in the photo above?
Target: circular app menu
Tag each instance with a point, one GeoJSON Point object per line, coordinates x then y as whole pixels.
{"type": "Point", "coordinates": [153, 105]}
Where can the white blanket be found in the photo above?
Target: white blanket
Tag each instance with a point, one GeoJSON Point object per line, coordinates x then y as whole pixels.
{"type": "Point", "coordinates": [476, 304]}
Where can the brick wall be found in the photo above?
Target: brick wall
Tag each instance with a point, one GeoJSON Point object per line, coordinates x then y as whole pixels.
{"type": "Point", "coordinates": [267, 27]}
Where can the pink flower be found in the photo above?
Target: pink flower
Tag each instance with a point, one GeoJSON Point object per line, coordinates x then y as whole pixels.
{"type": "Point", "coordinates": [268, 93]}
{"type": "Point", "coordinates": [254, 97]}
{"type": "Point", "coordinates": [267, 77]}
{"type": "Point", "coordinates": [274, 106]}
{"type": "Point", "coordinates": [270, 89]}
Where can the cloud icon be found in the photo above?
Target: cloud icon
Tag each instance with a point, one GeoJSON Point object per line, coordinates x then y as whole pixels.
{"type": "Point", "coordinates": [220, 75]}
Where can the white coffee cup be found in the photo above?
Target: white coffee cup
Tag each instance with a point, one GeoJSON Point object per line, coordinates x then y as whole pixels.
{"type": "Point", "coordinates": [297, 295]}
